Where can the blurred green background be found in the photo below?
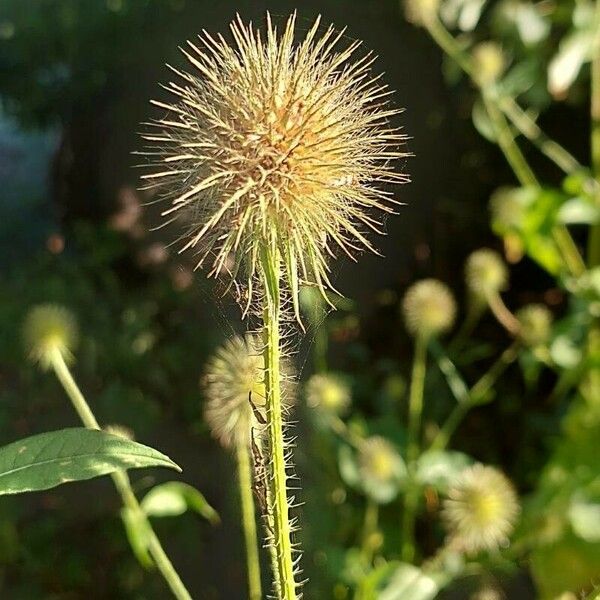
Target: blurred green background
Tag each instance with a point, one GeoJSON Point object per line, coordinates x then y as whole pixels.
{"type": "Point", "coordinates": [75, 79]}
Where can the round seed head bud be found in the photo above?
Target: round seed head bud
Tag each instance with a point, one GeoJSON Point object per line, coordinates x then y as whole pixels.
{"type": "Point", "coordinates": [420, 12]}
{"type": "Point", "coordinates": [269, 145]}
{"type": "Point", "coordinates": [481, 509]}
{"type": "Point", "coordinates": [328, 392]}
{"type": "Point", "coordinates": [489, 62]}
{"type": "Point", "coordinates": [120, 431]}
{"type": "Point", "coordinates": [536, 325]}
{"type": "Point", "coordinates": [485, 273]}
{"type": "Point", "coordinates": [507, 206]}
{"type": "Point", "coordinates": [233, 377]}
{"type": "Point", "coordinates": [49, 329]}
{"type": "Point", "coordinates": [429, 308]}
{"type": "Point", "coordinates": [381, 469]}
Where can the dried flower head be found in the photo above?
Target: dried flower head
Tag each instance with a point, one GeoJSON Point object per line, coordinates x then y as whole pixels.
{"type": "Point", "coordinates": [535, 324]}
{"type": "Point", "coordinates": [429, 308]}
{"type": "Point", "coordinates": [485, 273]}
{"type": "Point", "coordinates": [233, 377]}
{"type": "Point", "coordinates": [481, 509]}
{"type": "Point", "coordinates": [381, 469]}
{"type": "Point", "coordinates": [271, 144]}
{"type": "Point", "coordinates": [50, 329]}
{"type": "Point", "coordinates": [328, 392]}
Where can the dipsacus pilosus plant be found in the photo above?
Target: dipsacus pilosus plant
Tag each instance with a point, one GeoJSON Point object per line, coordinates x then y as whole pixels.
{"type": "Point", "coordinates": [276, 157]}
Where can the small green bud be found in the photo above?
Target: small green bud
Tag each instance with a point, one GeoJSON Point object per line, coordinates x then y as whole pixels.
{"type": "Point", "coordinates": [485, 273]}
{"type": "Point", "coordinates": [50, 329]}
{"type": "Point", "coordinates": [536, 324]}
{"type": "Point", "coordinates": [429, 308]}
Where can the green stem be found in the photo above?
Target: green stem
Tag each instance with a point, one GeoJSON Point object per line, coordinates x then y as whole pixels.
{"type": "Point", "coordinates": [507, 142]}
{"type": "Point", "coordinates": [497, 107]}
{"type": "Point", "coordinates": [278, 501]}
{"type": "Point", "coordinates": [515, 158]}
{"type": "Point", "coordinates": [474, 397]}
{"type": "Point", "coordinates": [413, 446]}
{"type": "Point", "coordinates": [249, 521]}
{"type": "Point", "coordinates": [120, 479]}
{"type": "Point", "coordinates": [518, 117]}
{"type": "Point", "coordinates": [503, 314]}
{"type": "Point", "coordinates": [475, 311]}
{"type": "Point", "coordinates": [369, 530]}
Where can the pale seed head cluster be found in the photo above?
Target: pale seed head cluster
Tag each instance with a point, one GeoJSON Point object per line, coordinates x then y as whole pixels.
{"type": "Point", "coordinates": [50, 329]}
{"type": "Point", "coordinates": [480, 510]}
{"type": "Point", "coordinates": [429, 308]}
{"type": "Point", "coordinates": [328, 392]}
{"type": "Point", "coordinates": [269, 144]}
{"type": "Point", "coordinates": [486, 273]}
{"type": "Point", "coordinates": [233, 379]}
{"type": "Point", "coordinates": [381, 468]}
{"type": "Point", "coordinates": [535, 324]}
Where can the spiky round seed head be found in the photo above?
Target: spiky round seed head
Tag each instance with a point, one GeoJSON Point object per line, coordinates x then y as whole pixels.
{"type": "Point", "coordinates": [429, 308]}
{"type": "Point", "coordinates": [507, 207]}
{"type": "Point", "coordinates": [535, 324]}
{"type": "Point", "coordinates": [380, 468]}
{"type": "Point", "coordinates": [234, 376]}
{"type": "Point", "coordinates": [120, 431]}
{"type": "Point", "coordinates": [420, 12]}
{"type": "Point", "coordinates": [49, 329]}
{"type": "Point", "coordinates": [328, 392]}
{"type": "Point", "coordinates": [485, 273]}
{"type": "Point", "coordinates": [481, 509]}
{"type": "Point", "coordinates": [489, 62]}
{"type": "Point", "coordinates": [272, 144]}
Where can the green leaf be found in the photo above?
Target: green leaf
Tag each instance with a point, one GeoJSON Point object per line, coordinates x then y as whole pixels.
{"type": "Point", "coordinates": [574, 51]}
{"type": "Point", "coordinates": [578, 211]}
{"type": "Point", "coordinates": [584, 517]}
{"type": "Point", "coordinates": [438, 468]}
{"type": "Point", "coordinates": [174, 498]}
{"type": "Point", "coordinates": [408, 581]}
{"type": "Point", "coordinates": [43, 461]}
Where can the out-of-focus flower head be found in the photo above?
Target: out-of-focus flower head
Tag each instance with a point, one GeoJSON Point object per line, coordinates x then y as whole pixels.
{"type": "Point", "coordinates": [535, 324]}
{"type": "Point", "coordinates": [381, 469]}
{"type": "Point", "coordinates": [429, 308]}
{"type": "Point", "coordinates": [485, 273]}
{"type": "Point", "coordinates": [481, 509]}
{"type": "Point", "coordinates": [234, 377]}
{"type": "Point", "coordinates": [328, 392]}
{"type": "Point", "coordinates": [50, 329]}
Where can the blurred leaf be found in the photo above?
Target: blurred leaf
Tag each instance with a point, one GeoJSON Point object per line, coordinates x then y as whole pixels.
{"type": "Point", "coordinates": [584, 517]}
{"type": "Point", "coordinates": [579, 211]}
{"type": "Point", "coordinates": [43, 461]}
{"type": "Point", "coordinates": [348, 466]}
{"type": "Point", "coordinates": [174, 498]}
{"type": "Point", "coordinates": [438, 468]}
{"type": "Point", "coordinates": [408, 581]}
{"type": "Point", "coordinates": [565, 353]}
{"type": "Point", "coordinates": [482, 122]}
{"type": "Point", "coordinates": [573, 52]}
{"type": "Point", "coordinates": [138, 535]}
{"type": "Point", "coordinates": [463, 14]}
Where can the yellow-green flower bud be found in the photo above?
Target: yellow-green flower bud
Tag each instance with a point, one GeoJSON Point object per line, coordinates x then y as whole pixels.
{"type": "Point", "coordinates": [50, 329]}
{"type": "Point", "coordinates": [328, 392]}
{"type": "Point", "coordinates": [485, 273]}
{"type": "Point", "coordinates": [429, 308]}
{"type": "Point", "coordinates": [536, 324]}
